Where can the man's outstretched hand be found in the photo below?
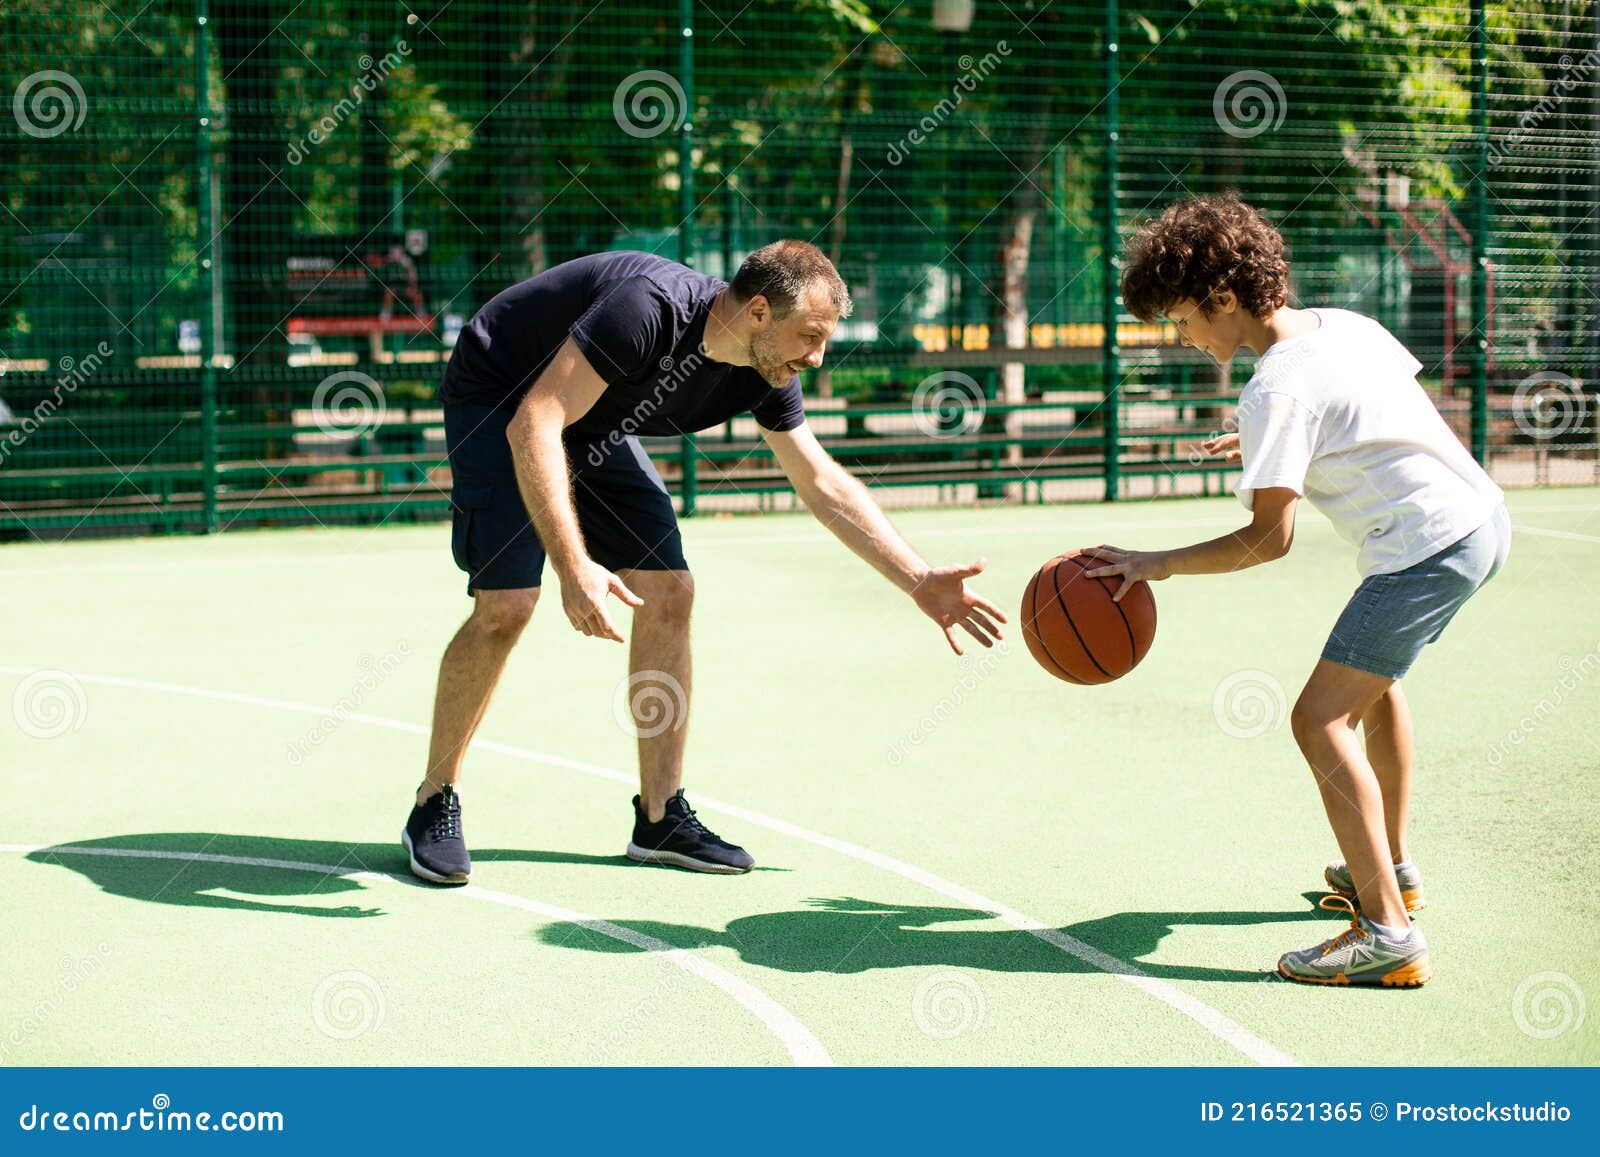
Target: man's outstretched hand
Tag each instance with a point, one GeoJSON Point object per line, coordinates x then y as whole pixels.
{"type": "Point", "coordinates": [943, 596]}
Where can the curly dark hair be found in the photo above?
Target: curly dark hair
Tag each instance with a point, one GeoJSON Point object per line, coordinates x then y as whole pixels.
{"type": "Point", "coordinates": [1199, 246]}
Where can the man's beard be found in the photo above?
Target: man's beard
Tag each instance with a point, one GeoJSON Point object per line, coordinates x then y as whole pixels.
{"type": "Point", "coordinates": [765, 361]}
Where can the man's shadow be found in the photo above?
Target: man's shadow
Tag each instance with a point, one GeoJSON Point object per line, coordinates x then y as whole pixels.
{"type": "Point", "coordinates": [186, 868]}
{"type": "Point", "coordinates": [849, 935]}
{"type": "Point", "coordinates": [200, 869]}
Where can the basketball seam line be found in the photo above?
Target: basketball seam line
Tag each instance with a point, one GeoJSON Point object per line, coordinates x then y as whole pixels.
{"type": "Point", "coordinates": [1062, 603]}
{"type": "Point", "coordinates": [1043, 644]}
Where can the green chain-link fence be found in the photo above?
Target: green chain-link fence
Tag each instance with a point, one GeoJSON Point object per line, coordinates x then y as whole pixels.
{"type": "Point", "coordinates": [236, 242]}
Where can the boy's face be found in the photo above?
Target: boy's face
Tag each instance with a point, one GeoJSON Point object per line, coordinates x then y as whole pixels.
{"type": "Point", "coordinates": [1218, 336]}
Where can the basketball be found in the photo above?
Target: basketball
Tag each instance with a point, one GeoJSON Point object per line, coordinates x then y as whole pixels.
{"type": "Point", "coordinates": [1074, 628]}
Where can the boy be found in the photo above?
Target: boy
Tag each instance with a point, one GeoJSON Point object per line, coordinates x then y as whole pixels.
{"type": "Point", "coordinates": [1333, 413]}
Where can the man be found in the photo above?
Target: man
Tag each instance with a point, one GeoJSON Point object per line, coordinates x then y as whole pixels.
{"type": "Point", "coordinates": [543, 397]}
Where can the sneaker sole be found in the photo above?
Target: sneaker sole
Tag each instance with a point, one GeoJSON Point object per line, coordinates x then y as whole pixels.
{"type": "Point", "coordinates": [428, 874]}
{"type": "Point", "coordinates": [1413, 975]}
{"type": "Point", "coordinates": [1415, 901]}
{"type": "Point", "coordinates": [677, 860]}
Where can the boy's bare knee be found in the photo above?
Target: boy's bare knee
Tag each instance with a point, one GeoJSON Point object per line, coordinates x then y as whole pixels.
{"type": "Point", "coordinates": [503, 614]}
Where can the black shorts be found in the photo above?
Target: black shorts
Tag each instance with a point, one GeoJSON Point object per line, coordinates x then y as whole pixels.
{"type": "Point", "coordinates": [624, 510]}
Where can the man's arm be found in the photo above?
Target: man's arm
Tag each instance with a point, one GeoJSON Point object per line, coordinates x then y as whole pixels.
{"type": "Point", "coordinates": [1268, 537]}
{"type": "Point", "coordinates": [563, 393]}
{"type": "Point", "coordinates": [844, 507]}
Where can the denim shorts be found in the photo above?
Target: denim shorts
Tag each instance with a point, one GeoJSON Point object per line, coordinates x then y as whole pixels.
{"type": "Point", "coordinates": [1391, 617]}
{"type": "Point", "coordinates": [624, 510]}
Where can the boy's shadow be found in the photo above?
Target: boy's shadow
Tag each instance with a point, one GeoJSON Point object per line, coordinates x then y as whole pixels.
{"type": "Point", "coordinates": [195, 869]}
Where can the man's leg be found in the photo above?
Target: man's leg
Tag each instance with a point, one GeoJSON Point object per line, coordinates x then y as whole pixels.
{"type": "Point", "coordinates": [468, 674]}
{"type": "Point", "coordinates": [1390, 743]}
{"type": "Point", "coordinates": [1335, 699]}
{"type": "Point", "coordinates": [660, 681]}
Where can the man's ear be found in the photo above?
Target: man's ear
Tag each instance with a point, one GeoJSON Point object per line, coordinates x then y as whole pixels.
{"type": "Point", "coordinates": [759, 309]}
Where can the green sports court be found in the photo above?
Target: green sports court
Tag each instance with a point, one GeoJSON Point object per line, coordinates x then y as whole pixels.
{"type": "Point", "coordinates": [960, 861]}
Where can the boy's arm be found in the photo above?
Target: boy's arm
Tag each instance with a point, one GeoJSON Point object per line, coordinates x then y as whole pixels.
{"type": "Point", "coordinates": [1268, 537]}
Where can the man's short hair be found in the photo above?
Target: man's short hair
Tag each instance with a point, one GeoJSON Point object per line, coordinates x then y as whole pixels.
{"type": "Point", "coordinates": [1202, 245]}
{"type": "Point", "coordinates": [782, 273]}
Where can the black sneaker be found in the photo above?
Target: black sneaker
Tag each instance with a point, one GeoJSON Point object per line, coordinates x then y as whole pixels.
{"type": "Point", "coordinates": [434, 842]}
{"type": "Point", "coordinates": [681, 840]}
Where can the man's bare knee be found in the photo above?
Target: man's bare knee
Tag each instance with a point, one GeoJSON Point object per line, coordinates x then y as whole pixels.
{"type": "Point", "coordinates": [668, 594]}
{"type": "Point", "coordinates": [503, 614]}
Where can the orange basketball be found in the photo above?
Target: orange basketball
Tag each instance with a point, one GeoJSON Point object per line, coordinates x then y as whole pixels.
{"type": "Point", "coordinates": [1076, 631]}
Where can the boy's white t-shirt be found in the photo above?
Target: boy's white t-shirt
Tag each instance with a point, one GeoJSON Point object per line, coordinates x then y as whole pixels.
{"type": "Point", "coordinates": [1337, 415]}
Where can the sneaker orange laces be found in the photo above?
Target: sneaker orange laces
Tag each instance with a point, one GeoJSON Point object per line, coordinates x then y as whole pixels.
{"type": "Point", "coordinates": [1351, 934]}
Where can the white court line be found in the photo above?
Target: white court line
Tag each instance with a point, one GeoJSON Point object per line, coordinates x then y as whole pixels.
{"type": "Point", "coordinates": [1212, 1020]}
{"type": "Point", "coordinates": [803, 1047]}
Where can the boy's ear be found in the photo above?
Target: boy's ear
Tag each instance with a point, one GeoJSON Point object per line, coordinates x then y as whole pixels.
{"type": "Point", "coordinates": [1224, 301]}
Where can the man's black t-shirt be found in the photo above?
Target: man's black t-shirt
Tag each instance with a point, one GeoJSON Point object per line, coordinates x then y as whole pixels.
{"type": "Point", "coordinates": [640, 320]}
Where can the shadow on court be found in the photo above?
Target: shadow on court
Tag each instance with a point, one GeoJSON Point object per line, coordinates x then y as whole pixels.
{"type": "Point", "coordinates": [195, 869]}
{"type": "Point", "coordinates": [848, 935]}
{"type": "Point", "coordinates": [158, 869]}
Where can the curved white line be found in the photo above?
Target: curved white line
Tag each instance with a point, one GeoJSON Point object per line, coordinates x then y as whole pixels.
{"type": "Point", "coordinates": [805, 1048]}
{"type": "Point", "coordinates": [1212, 1020]}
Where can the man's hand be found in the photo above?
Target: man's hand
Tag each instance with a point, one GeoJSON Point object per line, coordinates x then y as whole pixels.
{"type": "Point", "coordinates": [943, 596]}
{"type": "Point", "coordinates": [583, 597]}
{"type": "Point", "coordinates": [1133, 565]}
{"type": "Point", "coordinates": [1225, 444]}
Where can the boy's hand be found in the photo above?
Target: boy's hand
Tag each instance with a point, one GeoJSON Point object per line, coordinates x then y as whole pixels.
{"type": "Point", "coordinates": [1225, 444]}
{"type": "Point", "coordinates": [1133, 565]}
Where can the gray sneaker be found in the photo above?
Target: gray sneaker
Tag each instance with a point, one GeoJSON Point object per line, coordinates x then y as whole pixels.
{"type": "Point", "coordinates": [1339, 879]}
{"type": "Point", "coordinates": [1361, 955]}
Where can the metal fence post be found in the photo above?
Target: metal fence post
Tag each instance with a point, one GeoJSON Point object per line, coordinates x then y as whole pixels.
{"type": "Point", "coordinates": [690, 445]}
{"type": "Point", "coordinates": [207, 270]}
{"type": "Point", "coordinates": [1479, 350]}
{"type": "Point", "coordinates": [1110, 371]}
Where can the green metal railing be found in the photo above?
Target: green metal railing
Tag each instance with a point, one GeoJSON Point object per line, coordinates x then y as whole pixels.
{"type": "Point", "coordinates": [235, 245]}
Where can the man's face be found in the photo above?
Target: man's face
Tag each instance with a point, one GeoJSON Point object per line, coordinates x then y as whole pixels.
{"type": "Point", "coordinates": [781, 347]}
{"type": "Point", "coordinates": [1219, 335]}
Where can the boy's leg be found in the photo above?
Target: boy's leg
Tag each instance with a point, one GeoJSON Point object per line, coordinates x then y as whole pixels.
{"type": "Point", "coordinates": [1390, 743]}
{"type": "Point", "coordinates": [1334, 701]}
